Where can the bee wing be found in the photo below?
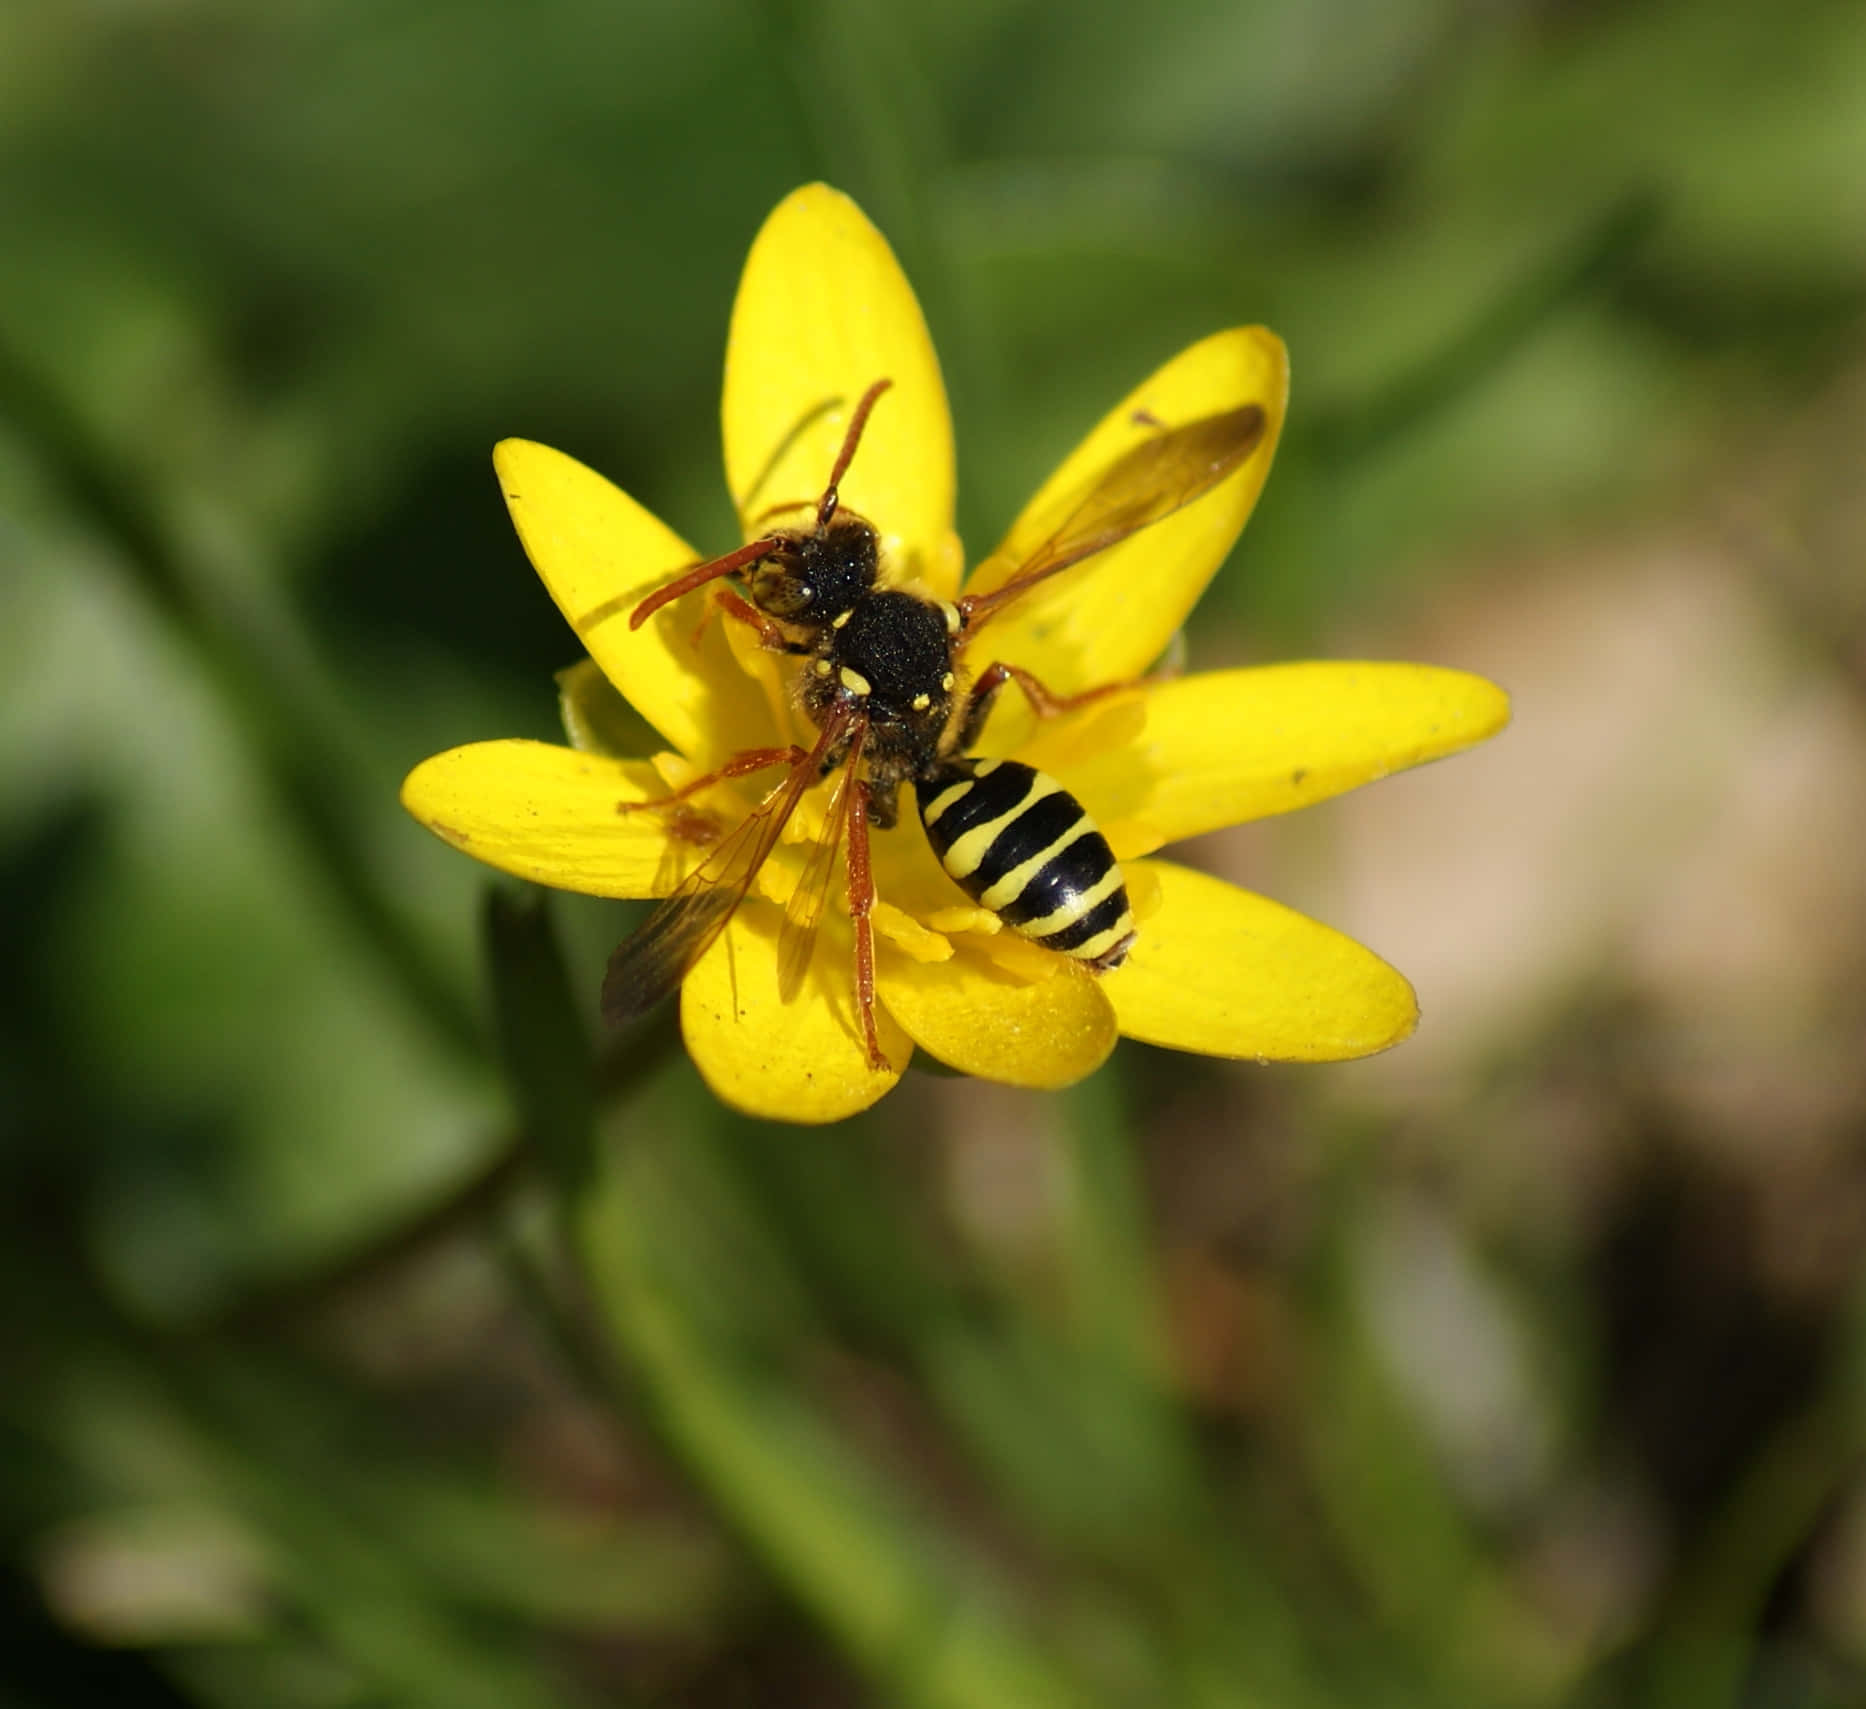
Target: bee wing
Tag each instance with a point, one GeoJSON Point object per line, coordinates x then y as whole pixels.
{"type": "Point", "coordinates": [1142, 486]}
{"type": "Point", "coordinates": [797, 939]}
{"type": "Point", "coordinates": [662, 951]}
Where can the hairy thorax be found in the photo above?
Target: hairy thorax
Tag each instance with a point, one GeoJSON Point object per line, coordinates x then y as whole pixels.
{"type": "Point", "coordinates": [891, 653]}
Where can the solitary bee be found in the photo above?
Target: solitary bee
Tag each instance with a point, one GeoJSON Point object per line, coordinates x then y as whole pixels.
{"type": "Point", "coordinates": [885, 689]}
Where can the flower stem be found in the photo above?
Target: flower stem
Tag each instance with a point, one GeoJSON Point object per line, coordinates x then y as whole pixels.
{"type": "Point", "coordinates": [556, 1088]}
{"type": "Point", "coordinates": [885, 1579]}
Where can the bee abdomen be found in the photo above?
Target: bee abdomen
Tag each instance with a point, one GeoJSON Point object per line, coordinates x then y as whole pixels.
{"type": "Point", "coordinates": [1018, 843]}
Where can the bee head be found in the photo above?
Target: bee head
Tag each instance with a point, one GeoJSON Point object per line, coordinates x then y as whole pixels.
{"type": "Point", "coordinates": [815, 576]}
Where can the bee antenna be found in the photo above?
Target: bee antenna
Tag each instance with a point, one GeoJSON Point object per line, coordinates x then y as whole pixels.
{"type": "Point", "coordinates": [826, 505]}
{"type": "Point", "coordinates": [699, 575]}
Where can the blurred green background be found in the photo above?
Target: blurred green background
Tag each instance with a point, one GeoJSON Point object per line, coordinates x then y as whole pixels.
{"type": "Point", "coordinates": [356, 1356]}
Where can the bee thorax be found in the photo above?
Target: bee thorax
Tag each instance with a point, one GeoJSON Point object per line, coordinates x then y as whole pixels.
{"type": "Point", "coordinates": [898, 644]}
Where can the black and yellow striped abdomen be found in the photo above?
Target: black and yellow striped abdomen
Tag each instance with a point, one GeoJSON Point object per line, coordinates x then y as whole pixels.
{"type": "Point", "coordinates": [1018, 843]}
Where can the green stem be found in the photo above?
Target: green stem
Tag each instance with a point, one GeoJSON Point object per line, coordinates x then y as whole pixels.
{"type": "Point", "coordinates": [473, 1202]}
{"type": "Point", "coordinates": [888, 1584]}
{"type": "Point", "coordinates": [876, 1575]}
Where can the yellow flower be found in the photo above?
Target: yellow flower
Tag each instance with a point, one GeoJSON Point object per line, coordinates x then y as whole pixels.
{"type": "Point", "coordinates": [823, 311]}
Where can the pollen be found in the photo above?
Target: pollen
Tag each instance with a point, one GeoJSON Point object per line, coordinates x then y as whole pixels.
{"type": "Point", "coordinates": [922, 701]}
{"type": "Point", "coordinates": [837, 622]}
{"type": "Point", "coordinates": [951, 613]}
{"type": "Point", "coordinates": [853, 681]}
{"type": "Point", "coordinates": [822, 667]}
{"type": "Point", "coordinates": [947, 681]}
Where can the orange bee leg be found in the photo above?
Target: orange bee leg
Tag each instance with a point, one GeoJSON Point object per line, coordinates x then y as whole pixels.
{"type": "Point", "coordinates": [1043, 701]}
{"type": "Point", "coordinates": [861, 904]}
{"type": "Point", "coordinates": [770, 633]}
{"type": "Point", "coordinates": [740, 765]}
{"type": "Point", "coordinates": [707, 614]}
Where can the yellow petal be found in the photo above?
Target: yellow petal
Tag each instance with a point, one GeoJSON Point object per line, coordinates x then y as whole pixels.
{"type": "Point", "coordinates": [1112, 616]}
{"type": "Point", "coordinates": [1224, 746]}
{"type": "Point", "coordinates": [597, 720]}
{"type": "Point", "coordinates": [908, 875]}
{"type": "Point", "coordinates": [599, 553]}
{"type": "Point", "coordinates": [908, 935]}
{"type": "Point", "coordinates": [982, 1019]}
{"type": "Point", "coordinates": [549, 814]}
{"type": "Point", "coordinates": [1224, 972]}
{"type": "Point", "coordinates": [824, 311]}
{"type": "Point", "coordinates": [801, 1061]}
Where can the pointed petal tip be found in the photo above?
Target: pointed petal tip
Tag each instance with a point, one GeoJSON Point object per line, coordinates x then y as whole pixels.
{"type": "Point", "coordinates": [818, 192]}
{"type": "Point", "coordinates": [1226, 973]}
{"type": "Point", "coordinates": [823, 311]}
{"type": "Point", "coordinates": [1491, 707]}
{"type": "Point", "coordinates": [1222, 747]}
{"type": "Point", "coordinates": [511, 455]}
{"type": "Point", "coordinates": [1093, 625]}
{"type": "Point", "coordinates": [548, 814]}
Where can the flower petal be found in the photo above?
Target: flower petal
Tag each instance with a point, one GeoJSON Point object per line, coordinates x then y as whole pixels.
{"type": "Point", "coordinates": [596, 719]}
{"type": "Point", "coordinates": [824, 311]}
{"type": "Point", "coordinates": [979, 1017]}
{"type": "Point", "coordinates": [800, 1061]}
{"type": "Point", "coordinates": [600, 553]}
{"type": "Point", "coordinates": [549, 814]}
{"type": "Point", "coordinates": [1224, 972]}
{"type": "Point", "coordinates": [1224, 746]}
{"type": "Point", "coordinates": [1111, 617]}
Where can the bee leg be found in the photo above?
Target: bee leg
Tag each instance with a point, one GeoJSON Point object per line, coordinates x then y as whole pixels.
{"type": "Point", "coordinates": [1043, 701]}
{"type": "Point", "coordinates": [707, 613]}
{"type": "Point", "coordinates": [740, 765]}
{"type": "Point", "coordinates": [770, 634]}
{"type": "Point", "coordinates": [884, 809]}
{"type": "Point", "coordinates": [861, 904]}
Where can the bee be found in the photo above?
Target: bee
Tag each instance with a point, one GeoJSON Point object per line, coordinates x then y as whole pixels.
{"type": "Point", "coordinates": [885, 689]}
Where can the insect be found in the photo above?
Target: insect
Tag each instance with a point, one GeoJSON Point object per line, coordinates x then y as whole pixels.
{"type": "Point", "coordinates": [885, 689]}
